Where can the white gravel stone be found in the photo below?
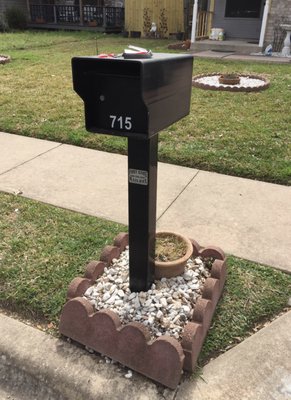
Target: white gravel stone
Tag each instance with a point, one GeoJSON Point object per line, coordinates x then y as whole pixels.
{"type": "Point", "coordinates": [164, 309]}
{"type": "Point", "coordinates": [120, 293]}
{"type": "Point", "coordinates": [111, 300]}
{"type": "Point", "coordinates": [129, 374]}
{"type": "Point", "coordinates": [89, 291]}
{"type": "Point", "coordinates": [136, 302]}
{"type": "Point", "coordinates": [106, 296]}
{"type": "Point", "coordinates": [98, 287]}
{"type": "Point", "coordinates": [163, 302]}
{"type": "Point", "coordinates": [148, 303]}
{"type": "Point", "coordinates": [132, 296]}
{"type": "Point", "coordinates": [112, 289]}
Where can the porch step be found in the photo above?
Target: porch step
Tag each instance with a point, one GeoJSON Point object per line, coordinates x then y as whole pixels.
{"type": "Point", "coordinates": [233, 46]}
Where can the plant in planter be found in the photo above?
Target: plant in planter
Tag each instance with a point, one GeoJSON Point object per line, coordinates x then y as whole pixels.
{"type": "Point", "coordinates": [172, 253]}
{"type": "Point", "coordinates": [92, 22]}
{"type": "Point", "coordinates": [180, 35]}
{"type": "Point", "coordinates": [40, 20]}
{"type": "Point", "coordinates": [229, 79]}
{"type": "Point", "coordinates": [126, 30]}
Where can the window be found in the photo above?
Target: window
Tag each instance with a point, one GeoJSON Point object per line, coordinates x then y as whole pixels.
{"type": "Point", "coordinates": [203, 5]}
{"type": "Point", "coordinates": [243, 8]}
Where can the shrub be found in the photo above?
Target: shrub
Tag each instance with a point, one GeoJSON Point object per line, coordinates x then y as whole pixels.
{"type": "Point", "coordinates": [3, 23]}
{"type": "Point", "coordinates": [16, 18]}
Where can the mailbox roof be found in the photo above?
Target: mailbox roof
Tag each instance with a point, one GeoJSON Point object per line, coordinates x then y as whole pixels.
{"type": "Point", "coordinates": [154, 58]}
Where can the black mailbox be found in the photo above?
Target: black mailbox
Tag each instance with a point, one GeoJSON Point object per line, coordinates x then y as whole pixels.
{"type": "Point", "coordinates": [133, 97]}
{"type": "Point", "coordinates": [136, 98]}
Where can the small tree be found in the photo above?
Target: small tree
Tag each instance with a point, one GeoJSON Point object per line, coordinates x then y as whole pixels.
{"type": "Point", "coordinates": [3, 24]}
{"type": "Point", "coordinates": [147, 21]}
{"type": "Point", "coordinates": [163, 25]}
{"type": "Point", "coordinates": [16, 18]}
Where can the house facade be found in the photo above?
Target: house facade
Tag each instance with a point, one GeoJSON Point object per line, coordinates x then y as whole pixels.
{"type": "Point", "coordinates": [239, 19]}
{"type": "Point", "coordinates": [249, 20]}
{"type": "Point", "coordinates": [280, 11]}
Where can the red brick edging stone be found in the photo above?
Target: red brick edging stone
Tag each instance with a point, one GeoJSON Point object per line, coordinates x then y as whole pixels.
{"type": "Point", "coordinates": [4, 59]}
{"type": "Point", "coordinates": [161, 359]}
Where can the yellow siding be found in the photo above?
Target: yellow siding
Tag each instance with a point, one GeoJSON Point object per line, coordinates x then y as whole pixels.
{"type": "Point", "coordinates": [171, 12]}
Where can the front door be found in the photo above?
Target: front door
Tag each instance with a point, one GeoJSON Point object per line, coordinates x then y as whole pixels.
{"type": "Point", "coordinates": [240, 19]}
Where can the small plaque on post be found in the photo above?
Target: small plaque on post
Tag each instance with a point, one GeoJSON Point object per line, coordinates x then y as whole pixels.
{"type": "Point", "coordinates": [138, 177]}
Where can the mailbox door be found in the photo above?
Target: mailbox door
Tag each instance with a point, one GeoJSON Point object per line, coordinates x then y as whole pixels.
{"type": "Point", "coordinates": [112, 95]}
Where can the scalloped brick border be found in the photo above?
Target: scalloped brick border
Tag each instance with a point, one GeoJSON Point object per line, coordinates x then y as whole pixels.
{"type": "Point", "coordinates": [162, 359]}
{"type": "Point", "coordinates": [231, 88]}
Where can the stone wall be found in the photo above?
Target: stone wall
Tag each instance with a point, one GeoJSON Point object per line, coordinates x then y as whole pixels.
{"type": "Point", "coordinates": [280, 10]}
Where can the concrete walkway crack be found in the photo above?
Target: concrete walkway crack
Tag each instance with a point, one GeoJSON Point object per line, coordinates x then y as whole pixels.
{"type": "Point", "coordinates": [31, 159]}
{"type": "Point", "coordinates": [179, 194]}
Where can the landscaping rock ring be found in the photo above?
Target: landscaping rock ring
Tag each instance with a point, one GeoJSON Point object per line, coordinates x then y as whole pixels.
{"type": "Point", "coordinates": [4, 59]}
{"type": "Point", "coordinates": [247, 83]}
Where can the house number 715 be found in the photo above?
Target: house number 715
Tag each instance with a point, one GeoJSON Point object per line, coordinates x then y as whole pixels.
{"type": "Point", "coordinates": [121, 122]}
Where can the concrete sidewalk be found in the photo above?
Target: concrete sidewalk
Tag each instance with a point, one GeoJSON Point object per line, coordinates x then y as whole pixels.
{"type": "Point", "coordinates": [234, 56]}
{"type": "Point", "coordinates": [249, 219]}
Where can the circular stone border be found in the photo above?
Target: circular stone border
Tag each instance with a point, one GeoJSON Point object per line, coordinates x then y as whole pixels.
{"type": "Point", "coordinates": [231, 88]}
{"type": "Point", "coordinates": [4, 59]}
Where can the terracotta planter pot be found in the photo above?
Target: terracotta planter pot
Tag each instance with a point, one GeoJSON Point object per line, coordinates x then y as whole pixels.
{"type": "Point", "coordinates": [40, 20]}
{"type": "Point", "coordinates": [180, 35]}
{"type": "Point", "coordinates": [169, 269]}
{"type": "Point", "coordinates": [229, 79]}
{"type": "Point", "coordinates": [135, 34]}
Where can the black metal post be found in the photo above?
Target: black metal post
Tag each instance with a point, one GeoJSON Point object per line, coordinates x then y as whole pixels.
{"type": "Point", "coordinates": [142, 198]}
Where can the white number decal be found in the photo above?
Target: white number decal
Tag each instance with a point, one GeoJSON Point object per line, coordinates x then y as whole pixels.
{"type": "Point", "coordinates": [121, 122]}
{"type": "Point", "coordinates": [113, 118]}
{"type": "Point", "coordinates": [128, 123]}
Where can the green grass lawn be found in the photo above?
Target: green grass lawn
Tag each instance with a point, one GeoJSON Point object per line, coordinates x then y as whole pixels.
{"type": "Point", "coordinates": [42, 248]}
{"type": "Point", "coordinates": [242, 134]}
